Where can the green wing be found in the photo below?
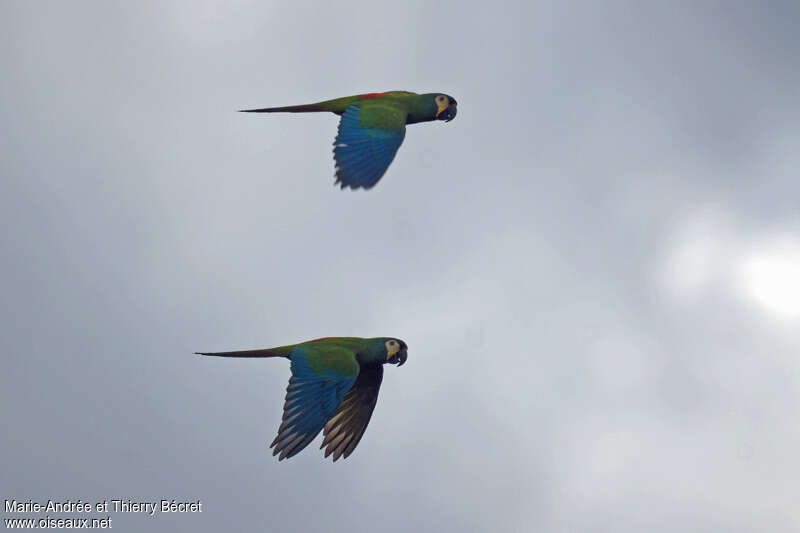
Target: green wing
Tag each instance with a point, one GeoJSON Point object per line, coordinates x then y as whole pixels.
{"type": "Point", "coordinates": [370, 133]}
{"type": "Point", "coordinates": [322, 373]}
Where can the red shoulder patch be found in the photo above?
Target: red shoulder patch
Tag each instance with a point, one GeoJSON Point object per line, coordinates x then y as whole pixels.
{"type": "Point", "coordinates": [371, 95]}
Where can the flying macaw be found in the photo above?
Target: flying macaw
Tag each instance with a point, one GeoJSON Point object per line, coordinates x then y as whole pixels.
{"type": "Point", "coordinates": [333, 389]}
{"type": "Point", "coordinates": [372, 128]}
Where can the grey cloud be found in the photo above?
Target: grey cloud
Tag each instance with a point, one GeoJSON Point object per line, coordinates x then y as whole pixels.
{"type": "Point", "coordinates": [553, 383]}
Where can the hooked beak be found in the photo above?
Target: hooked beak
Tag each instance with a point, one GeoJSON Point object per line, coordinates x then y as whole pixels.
{"type": "Point", "coordinates": [400, 356]}
{"type": "Point", "coordinates": [447, 112]}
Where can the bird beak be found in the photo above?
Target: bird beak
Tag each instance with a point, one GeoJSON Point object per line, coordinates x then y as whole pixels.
{"type": "Point", "coordinates": [447, 112]}
{"type": "Point", "coordinates": [398, 358]}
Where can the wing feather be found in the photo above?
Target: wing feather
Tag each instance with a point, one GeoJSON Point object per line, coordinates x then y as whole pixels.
{"type": "Point", "coordinates": [370, 133]}
{"type": "Point", "coordinates": [313, 395]}
{"type": "Point", "coordinates": [345, 428]}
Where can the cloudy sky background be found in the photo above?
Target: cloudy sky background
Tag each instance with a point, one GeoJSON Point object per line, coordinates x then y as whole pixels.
{"type": "Point", "coordinates": [596, 266]}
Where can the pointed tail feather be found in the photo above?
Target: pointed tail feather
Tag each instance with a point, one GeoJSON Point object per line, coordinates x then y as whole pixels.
{"type": "Point", "coordinates": [244, 353]}
{"type": "Point", "coordinates": [307, 108]}
{"type": "Point", "coordinates": [337, 105]}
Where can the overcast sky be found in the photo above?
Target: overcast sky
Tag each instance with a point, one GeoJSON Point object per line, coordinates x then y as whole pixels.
{"type": "Point", "coordinates": [596, 265]}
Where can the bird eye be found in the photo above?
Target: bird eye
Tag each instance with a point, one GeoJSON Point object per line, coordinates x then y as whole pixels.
{"type": "Point", "coordinates": [392, 343]}
{"type": "Point", "coordinates": [441, 99]}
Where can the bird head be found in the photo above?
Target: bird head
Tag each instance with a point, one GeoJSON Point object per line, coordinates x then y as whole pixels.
{"type": "Point", "coordinates": [396, 351]}
{"type": "Point", "coordinates": [446, 107]}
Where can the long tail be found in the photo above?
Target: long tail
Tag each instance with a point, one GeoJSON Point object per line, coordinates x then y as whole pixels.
{"type": "Point", "coordinates": [337, 105]}
{"type": "Point", "coordinates": [306, 108]}
{"type": "Point", "coordinates": [244, 353]}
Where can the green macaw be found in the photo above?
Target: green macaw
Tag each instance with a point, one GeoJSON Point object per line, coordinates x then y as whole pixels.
{"type": "Point", "coordinates": [333, 388]}
{"type": "Point", "coordinates": [372, 128]}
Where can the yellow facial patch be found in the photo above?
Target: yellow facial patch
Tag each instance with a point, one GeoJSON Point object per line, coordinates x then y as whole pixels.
{"type": "Point", "coordinates": [392, 347]}
{"type": "Point", "coordinates": [442, 107]}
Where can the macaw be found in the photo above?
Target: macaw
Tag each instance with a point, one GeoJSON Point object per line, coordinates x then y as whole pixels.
{"type": "Point", "coordinates": [372, 128]}
{"type": "Point", "coordinates": [333, 389]}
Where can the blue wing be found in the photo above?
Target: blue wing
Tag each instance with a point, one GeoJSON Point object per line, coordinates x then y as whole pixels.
{"type": "Point", "coordinates": [363, 153]}
{"type": "Point", "coordinates": [312, 397]}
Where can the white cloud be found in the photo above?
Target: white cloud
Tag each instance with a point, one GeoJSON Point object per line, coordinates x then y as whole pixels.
{"type": "Point", "coordinates": [697, 253]}
{"type": "Point", "coordinates": [769, 276]}
{"type": "Point", "coordinates": [711, 255]}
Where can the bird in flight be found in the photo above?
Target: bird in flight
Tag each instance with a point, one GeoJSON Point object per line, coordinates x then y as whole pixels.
{"type": "Point", "coordinates": [333, 389]}
{"type": "Point", "coordinates": [372, 128]}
